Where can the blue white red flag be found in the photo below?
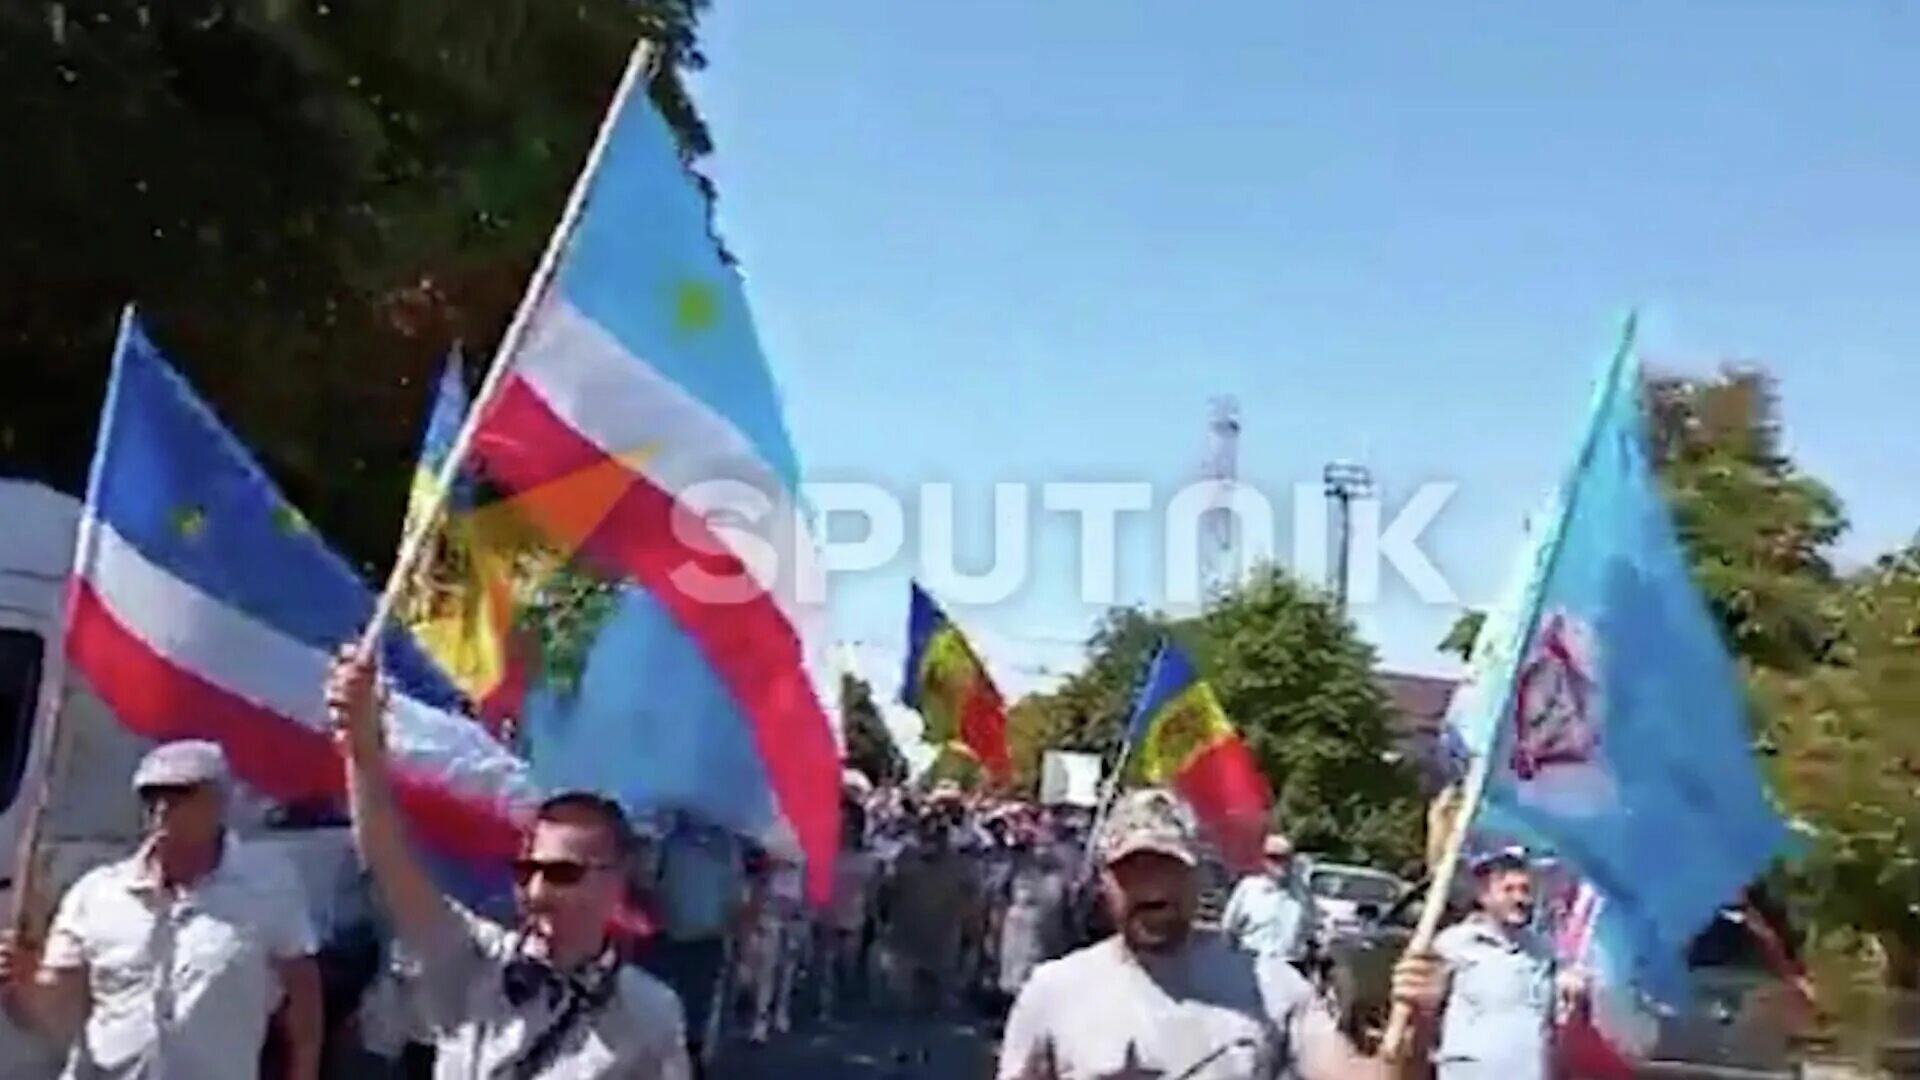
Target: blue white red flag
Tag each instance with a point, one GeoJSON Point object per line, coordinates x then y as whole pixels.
{"type": "Point", "coordinates": [638, 428]}
{"type": "Point", "coordinates": [204, 606]}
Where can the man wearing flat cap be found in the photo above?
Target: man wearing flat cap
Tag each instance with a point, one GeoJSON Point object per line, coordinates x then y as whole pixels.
{"type": "Point", "coordinates": [1161, 999]}
{"type": "Point", "coordinates": [171, 962]}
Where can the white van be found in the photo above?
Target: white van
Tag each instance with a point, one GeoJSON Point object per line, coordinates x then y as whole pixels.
{"type": "Point", "coordinates": [92, 814]}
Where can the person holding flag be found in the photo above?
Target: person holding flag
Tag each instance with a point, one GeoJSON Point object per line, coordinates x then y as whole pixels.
{"type": "Point", "coordinates": [1504, 988]}
{"type": "Point", "coordinates": [1604, 717]}
{"type": "Point", "coordinates": [547, 997]}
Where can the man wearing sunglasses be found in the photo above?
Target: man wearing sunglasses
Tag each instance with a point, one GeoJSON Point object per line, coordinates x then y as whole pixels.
{"type": "Point", "coordinates": [172, 961]}
{"type": "Point", "coordinates": [546, 998]}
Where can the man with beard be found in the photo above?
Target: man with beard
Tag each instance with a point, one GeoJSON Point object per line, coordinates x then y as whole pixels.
{"type": "Point", "coordinates": [1502, 987]}
{"type": "Point", "coordinates": [1159, 999]}
{"type": "Point", "coordinates": [547, 998]}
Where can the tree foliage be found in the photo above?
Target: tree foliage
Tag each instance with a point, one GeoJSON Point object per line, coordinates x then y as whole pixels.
{"type": "Point", "coordinates": [1298, 684]}
{"type": "Point", "coordinates": [1463, 633]}
{"type": "Point", "coordinates": [1760, 531]}
{"type": "Point", "coordinates": [870, 747]}
{"type": "Point", "coordinates": [309, 199]}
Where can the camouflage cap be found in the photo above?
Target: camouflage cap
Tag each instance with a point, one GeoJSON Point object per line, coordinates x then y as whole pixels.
{"type": "Point", "coordinates": [1151, 819]}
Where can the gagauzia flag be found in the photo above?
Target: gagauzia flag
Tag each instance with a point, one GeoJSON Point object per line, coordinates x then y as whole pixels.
{"type": "Point", "coordinates": [948, 685]}
{"type": "Point", "coordinates": [1180, 737]}
{"type": "Point", "coordinates": [203, 606]}
{"type": "Point", "coordinates": [1609, 714]}
{"type": "Point", "coordinates": [638, 429]}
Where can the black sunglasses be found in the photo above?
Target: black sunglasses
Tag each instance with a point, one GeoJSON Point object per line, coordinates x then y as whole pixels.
{"type": "Point", "coordinates": [562, 872]}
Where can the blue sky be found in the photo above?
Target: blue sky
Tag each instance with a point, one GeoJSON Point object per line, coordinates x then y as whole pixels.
{"type": "Point", "coordinates": [1027, 240]}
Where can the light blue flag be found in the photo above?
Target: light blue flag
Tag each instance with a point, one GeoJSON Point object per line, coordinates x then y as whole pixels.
{"type": "Point", "coordinates": [1612, 716]}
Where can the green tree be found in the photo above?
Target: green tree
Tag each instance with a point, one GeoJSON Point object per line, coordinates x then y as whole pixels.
{"type": "Point", "coordinates": [1759, 531]}
{"type": "Point", "coordinates": [870, 747]}
{"type": "Point", "coordinates": [1847, 763]}
{"type": "Point", "coordinates": [1463, 633]}
{"type": "Point", "coordinates": [1297, 683]}
{"type": "Point", "coordinates": [310, 202]}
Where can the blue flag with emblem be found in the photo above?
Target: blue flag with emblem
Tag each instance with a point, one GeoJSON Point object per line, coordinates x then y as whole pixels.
{"type": "Point", "coordinates": [1608, 712]}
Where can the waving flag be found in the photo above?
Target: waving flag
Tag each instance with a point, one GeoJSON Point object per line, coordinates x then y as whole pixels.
{"type": "Point", "coordinates": [637, 427]}
{"type": "Point", "coordinates": [462, 604]}
{"type": "Point", "coordinates": [1608, 714]}
{"type": "Point", "coordinates": [1181, 737]}
{"type": "Point", "coordinates": [205, 607]}
{"type": "Point", "coordinates": [949, 686]}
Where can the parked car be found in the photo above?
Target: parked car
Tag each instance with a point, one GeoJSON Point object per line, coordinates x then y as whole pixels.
{"type": "Point", "coordinates": [1349, 897]}
{"type": "Point", "coordinates": [1743, 1020]}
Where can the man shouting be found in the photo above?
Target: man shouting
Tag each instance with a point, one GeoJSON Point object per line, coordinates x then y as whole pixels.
{"type": "Point", "coordinates": [1160, 999]}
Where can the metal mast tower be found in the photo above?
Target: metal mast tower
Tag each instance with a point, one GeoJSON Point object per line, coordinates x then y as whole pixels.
{"type": "Point", "coordinates": [1219, 538]}
{"type": "Point", "coordinates": [1346, 481]}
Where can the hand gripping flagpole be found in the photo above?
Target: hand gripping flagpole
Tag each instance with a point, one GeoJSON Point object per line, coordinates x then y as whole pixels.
{"type": "Point", "coordinates": [1393, 1041]}
{"type": "Point", "coordinates": [414, 545]}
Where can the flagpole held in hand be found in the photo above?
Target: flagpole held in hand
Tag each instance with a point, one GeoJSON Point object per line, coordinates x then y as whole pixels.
{"type": "Point", "coordinates": [1440, 887]}
{"type": "Point", "coordinates": [29, 916]}
{"type": "Point", "coordinates": [418, 536]}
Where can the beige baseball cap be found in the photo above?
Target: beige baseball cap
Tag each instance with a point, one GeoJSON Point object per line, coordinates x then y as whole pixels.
{"type": "Point", "coordinates": [1151, 819]}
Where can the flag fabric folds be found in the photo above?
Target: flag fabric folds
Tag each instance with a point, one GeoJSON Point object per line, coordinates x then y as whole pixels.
{"type": "Point", "coordinates": [638, 429]}
{"type": "Point", "coordinates": [949, 686]}
{"type": "Point", "coordinates": [204, 606]}
{"type": "Point", "coordinates": [1608, 713]}
{"type": "Point", "coordinates": [1180, 737]}
{"type": "Point", "coordinates": [461, 602]}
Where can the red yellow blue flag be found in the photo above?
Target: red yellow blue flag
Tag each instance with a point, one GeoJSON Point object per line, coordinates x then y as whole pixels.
{"type": "Point", "coordinates": [463, 607]}
{"type": "Point", "coordinates": [946, 683]}
{"type": "Point", "coordinates": [1180, 737]}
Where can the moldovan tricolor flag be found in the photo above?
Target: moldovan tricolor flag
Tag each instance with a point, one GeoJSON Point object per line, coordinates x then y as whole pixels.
{"type": "Point", "coordinates": [203, 606]}
{"type": "Point", "coordinates": [461, 605]}
{"type": "Point", "coordinates": [1181, 737]}
{"type": "Point", "coordinates": [636, 425]}
{"type": "Point", "coordinates": [949, 686]}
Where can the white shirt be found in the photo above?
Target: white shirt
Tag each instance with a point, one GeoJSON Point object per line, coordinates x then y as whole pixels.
{"type": "Point", "coordinates": [1268, 917]}
{"type": "Point", "coordinates": [180, 982]}
{"type": "Point", "coordinates": [638, 1035]}
{"type": "Point", "coordinates": [1207, 1012]}
{"type": "Point", "coordinates": [1500, 1003]}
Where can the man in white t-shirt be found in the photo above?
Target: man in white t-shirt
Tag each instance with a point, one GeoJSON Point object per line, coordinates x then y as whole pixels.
{"type": "Point", "coordinates": [1271, 912]}
{"type": "Point", "coordinates": [172, 961]}
{"type": "Point", "coordinates": [1160, 999]}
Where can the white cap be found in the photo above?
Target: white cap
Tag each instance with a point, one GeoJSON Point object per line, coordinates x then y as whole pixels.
{"type": "Point", "coordinates": [181, 763]}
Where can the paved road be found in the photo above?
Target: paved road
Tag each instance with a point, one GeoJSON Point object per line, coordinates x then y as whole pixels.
{"type": "Point", "coordinates": [953, 1049]}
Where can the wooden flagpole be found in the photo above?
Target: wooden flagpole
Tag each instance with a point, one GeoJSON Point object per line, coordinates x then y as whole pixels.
{"type": "Point", "coordinates": [50, 710]}
{"type": "Point", "coordinates": [1393, 1041]}
{"type": "Point", "coordinates": [419, 535]}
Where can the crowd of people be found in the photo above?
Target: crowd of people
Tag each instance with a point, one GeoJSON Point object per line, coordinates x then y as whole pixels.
{"type": "Point", "coordinates": [1085, 935]}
